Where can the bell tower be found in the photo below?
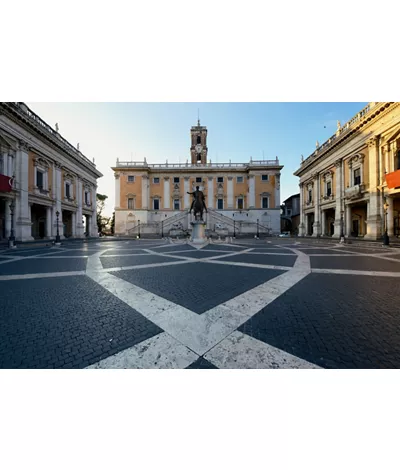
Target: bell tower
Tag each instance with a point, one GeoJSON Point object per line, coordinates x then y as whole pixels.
{"type": "Point", "coordinates": [198, 149]}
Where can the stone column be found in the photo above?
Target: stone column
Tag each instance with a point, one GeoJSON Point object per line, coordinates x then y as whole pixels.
{"type": "Point", "coordinates": [374, 222]}
{"type": "Point", "coordinates": [348, 227]}
{"type": "Point", "coordinates": [210, 198]}
{"type": "Point", "coordinates": [22, 219]}
{"type": "Point", "coordinates": [167, 197]}
{"type": "Point", "coordinates": [95, 228]}
{"type": "Point", "coordinates": [118, 190]}
{"type": "Point", "coordinates": [89, 227]}
{"type": "Point", "coordinates": [10, 166]}
{"type": "Point", "coordinates": [58, 182]}
{"type": "Point", "coordinates": [5, 164]}
{"type": "Point", "coordinates": [74, 224]}
{"type": "Point", "coordinates": [145, 192]}
{"type": "Point", "coordinates": [390, 217]}
{"type": "Point", "coordinates": [8, 217]}
{"type": "Point", "coordinates": [48, 222]}
{"type": "Point", "coordinates": [185, 190]}
{"type": "Point", "coordinates": [277, 190]}
{"type": "Point", "coordinates": [301, 225]}
{"type": "Point", "coordinates": [338, 197]}
{"type": "Point", "coordinates": [79, 217]}
{"type": "Point", "coordinates": [230, 193]}
{"type": "Point", "coordinates": [316, 225]}
{"type": "Point", "coordinates": [323, 223]}
{"type": "Point", "coordinates": [252, 192]}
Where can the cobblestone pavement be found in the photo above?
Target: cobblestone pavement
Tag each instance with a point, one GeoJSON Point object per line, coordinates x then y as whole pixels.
{"type": "Point", "coordinates": [163, 304]}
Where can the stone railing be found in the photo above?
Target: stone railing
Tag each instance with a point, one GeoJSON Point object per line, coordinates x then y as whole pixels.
{"type": "Point", "coordinates": [340, 132]}
{"type": "Point", "coordinates": [42, 125]}
{"type": "Point", "coordinates": [354, 191]}
{"type": "Point", "coordinates": [167, 165]}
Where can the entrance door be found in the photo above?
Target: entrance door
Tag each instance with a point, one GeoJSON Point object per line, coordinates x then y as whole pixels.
{"type": "Point", "coordinates": [355, 228]}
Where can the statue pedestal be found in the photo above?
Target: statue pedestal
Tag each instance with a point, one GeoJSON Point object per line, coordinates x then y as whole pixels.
{"type": "Point", "coordinates": [198, 232]}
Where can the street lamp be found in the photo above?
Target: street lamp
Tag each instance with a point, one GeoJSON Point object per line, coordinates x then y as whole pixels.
{"type": "Point", "coordinates": [258, 232]}
{"type": "Point", "coordinates": [341, 227]}
{"type": "Point", "coordinates": [138, 228]}
{"type": "Point", "coordinates": [11, 238]}
{"type": "Point", "coordinates": [386, 236]}
{"type": "Point", "coordinates": [162, 229]}
{"type": "Point", "coordinates": [58, 234]}
{"type": "Point", "coordinates": [234, 228]}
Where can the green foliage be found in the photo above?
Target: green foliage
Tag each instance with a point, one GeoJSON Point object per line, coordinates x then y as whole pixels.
{"type": "Point", "coordinates": [102, 221]}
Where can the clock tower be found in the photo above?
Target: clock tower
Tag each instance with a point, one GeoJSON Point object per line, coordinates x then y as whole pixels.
{"type": "Point", "coordinates": [198, 149]}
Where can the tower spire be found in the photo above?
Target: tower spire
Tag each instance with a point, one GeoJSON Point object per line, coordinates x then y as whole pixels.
{"type": "Point", "coordinates": [198, 117]}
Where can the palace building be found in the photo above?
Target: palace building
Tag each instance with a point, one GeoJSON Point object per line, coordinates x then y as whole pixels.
{"type": "Point", "coordinates": [42, 174]}
{"type": "Point", "coordinates": [350, 184]}
{"type": "Point", "coordinates": [240, 197]}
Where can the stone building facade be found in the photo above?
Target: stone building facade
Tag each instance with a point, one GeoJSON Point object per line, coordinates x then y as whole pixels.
{"type": "Point", "coordinates": [153, 198]}
{"type": "Point", "coordinates": [43, 174]}
{"type": "Point", "coordinates": [352, 181]}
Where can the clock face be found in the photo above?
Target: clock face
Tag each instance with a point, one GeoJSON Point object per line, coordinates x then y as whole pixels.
{"type": "Point", "coordinates": [198, 148]}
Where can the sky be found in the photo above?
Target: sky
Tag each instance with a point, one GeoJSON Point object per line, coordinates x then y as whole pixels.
{"type": "Point", "coordinates": [161, 131]}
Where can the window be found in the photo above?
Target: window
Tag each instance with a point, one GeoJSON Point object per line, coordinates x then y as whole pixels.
{"type": "Point", "coordinates": [357, 176]}
{"type": "Point", "coordinates": [86, 198]}
{"type": "Point", "coordinates": [176, 204]}
{"type": "Point", "coordinates": [220, 179]}
{"type": "Point", "coordinates": [264, 177]}
{"type": "Point", "coordinates": [398, 160]}
{"type": "Point", "coordinates": [131, 179]}
{"type": "Point", "coordinates": [39, 179]}
{"type": "Point", "coordinates": [239, 179]}
{"type": "Point", "coordinates": [68, 190]}
{"type": "Point", "coordinates": [156, 180]}
{"type": "Point", "coordinates": [310, 195]}
{"type": "Point", "coordinates": [130, 203]}
{"type": "Point", "coordinates": [199, 139]}
{"type": "Point", "coordinates": [220, 203]}
{"type": "Point", "coordinates": [329, 188]}
{"type": "Point", "coordinates": [156, 204]}
{"type": "Point", "coordinates": [176, 179]}
{"type": "Point", "coordinates": [199, 179]}
{"type": "Point", "coordinates": [240, 203]}
{"type": "Point", "coordinates": [265, 203]}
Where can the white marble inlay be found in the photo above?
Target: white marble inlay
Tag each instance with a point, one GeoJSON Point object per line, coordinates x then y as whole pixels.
{"type": "Point", "coordinates": [355, 273]}
{"type": "Point", "coordinates": [159, 352]}
{"type": "Point", "coordinates": [240, 351]}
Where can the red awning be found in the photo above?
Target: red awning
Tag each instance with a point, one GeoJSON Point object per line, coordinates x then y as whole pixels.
{"type": "Point", "coordinates": [393, 179]}
{"type": "Point", "coordinates": [5, 184]}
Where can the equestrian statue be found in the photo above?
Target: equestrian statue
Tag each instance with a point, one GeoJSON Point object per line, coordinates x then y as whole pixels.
{"type": "Point", "coordinates": [198, 204]}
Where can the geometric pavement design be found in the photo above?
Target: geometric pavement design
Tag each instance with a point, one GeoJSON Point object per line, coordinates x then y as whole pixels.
{"type": "Point", "coordinates": [160, 304]}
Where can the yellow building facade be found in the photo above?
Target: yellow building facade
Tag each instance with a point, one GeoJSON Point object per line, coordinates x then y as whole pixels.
{"type": "Point", "coordinates": [349, 184]}
{"type": "Point", "coordinates": [48, 175]}
{"type": "Point", "coordinates": [153, 198]}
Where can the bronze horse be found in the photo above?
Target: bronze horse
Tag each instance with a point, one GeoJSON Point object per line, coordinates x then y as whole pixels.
{"type": "Point", "coordinates": [198, 204]}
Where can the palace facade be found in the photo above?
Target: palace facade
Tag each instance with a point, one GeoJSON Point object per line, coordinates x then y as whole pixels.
{"type": "Point", "coordinates": [351, 182]}
{"type": "Point", "coordinates": [41, 174]}
{"type": "Point", "coordinates": [240, 197]}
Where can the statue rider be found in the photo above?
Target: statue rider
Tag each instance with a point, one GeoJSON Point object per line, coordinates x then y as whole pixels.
{"type": "Point", "coordinates": [197, 195]}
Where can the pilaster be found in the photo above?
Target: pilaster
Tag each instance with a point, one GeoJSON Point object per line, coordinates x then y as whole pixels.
{"type": "Point", "coordinates": [338, 197]}
{"type": "Point", "coordinates": [186, 189]}
{"type": "Point", "coordinates": [252, 192]}
{"type": "Point", "coordinates": [230, 192]}
{"type": "Point", "coordinates": [210, 193]}
{"type": "Point", "coordinates": [277, 190]}
{"type": "Point", "coordinates": [145, 192]}
{"type": "Point", "coordinates": [167, 197]}
{"type": "Point", "coordinates": [117, 190]}
{"type": "Point", "coordinates": [374, 222]}
{"type": "Point", "coordinates": [316, 225]}
{"type": "Point", "coordinates": [23, 225]}
{"type": "Point", "coordinates": [301, 225]}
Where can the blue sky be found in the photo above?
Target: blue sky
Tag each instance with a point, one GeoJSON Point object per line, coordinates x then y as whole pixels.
{"type": "Point", "coordinates": [160, 131]}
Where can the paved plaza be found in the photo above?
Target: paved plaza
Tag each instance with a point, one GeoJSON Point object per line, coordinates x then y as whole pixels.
{"type": "Point", "coordinates": [167, 304]}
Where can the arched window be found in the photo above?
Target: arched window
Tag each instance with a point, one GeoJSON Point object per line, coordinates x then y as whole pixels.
{"type": "Point", "coordinates": [198, 139]}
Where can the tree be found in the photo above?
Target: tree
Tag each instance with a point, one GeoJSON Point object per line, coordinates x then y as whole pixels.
{"type": "Point", "coordinates": [102, 221]}
{"type": "Point", "coordinates": [112, 223]}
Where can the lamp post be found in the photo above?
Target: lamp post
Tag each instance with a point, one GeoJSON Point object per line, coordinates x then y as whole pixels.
{"type": "Point", "coordinates": [386, 236]}
{"type": "Point", "coordinates": [162, 229]}
{"type": "Point", "coordinates": [341, 227]}
{"type": "Point", "coordinates": [11, 238]}
{"type": "Point", "coordinates": [258, 232]}
{"type": "Point", "coordinates": [234, 228]}
{"type": "Point", "coordinates": [58, 233]}
{"type": "Point", "coordinates": [138, 228]}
